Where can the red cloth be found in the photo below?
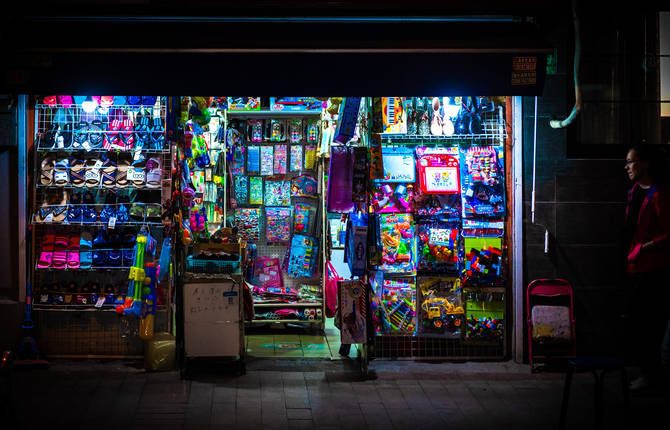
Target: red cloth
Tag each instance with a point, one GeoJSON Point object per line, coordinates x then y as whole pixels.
{"type": "Point", "coordinates": [653, 224]}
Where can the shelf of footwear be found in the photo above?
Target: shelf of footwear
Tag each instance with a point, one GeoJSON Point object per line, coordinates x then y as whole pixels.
{"type": "Point", "coordinates": [98, 223]}
{"type": "Point", "coordinates": [315, 321]}
{"type": "Point", "coordinates": [48, 149]}
{"type": "Point", "coordinates": [80, 269]}
{"type": "Point", "coordinates": [272, 113]}
{"type": "Point", "coordinates": [268, 305]}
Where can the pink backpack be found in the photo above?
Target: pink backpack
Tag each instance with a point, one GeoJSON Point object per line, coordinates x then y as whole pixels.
{"type": "Point", "coordinates": [331, 289]}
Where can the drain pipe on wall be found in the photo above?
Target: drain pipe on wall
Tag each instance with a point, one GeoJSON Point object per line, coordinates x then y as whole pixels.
{"type": "Point", "coordinates": [532, 195]}
{"type": "Point", "coordinates": [578, 89]}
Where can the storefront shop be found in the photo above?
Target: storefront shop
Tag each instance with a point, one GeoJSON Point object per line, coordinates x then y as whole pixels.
{"type": "Point", "coordinates": [393, 219]}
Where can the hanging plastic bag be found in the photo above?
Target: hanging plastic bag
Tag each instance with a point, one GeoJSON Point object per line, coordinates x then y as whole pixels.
{"type": "Point", "coordinates": [331, 289]}
{"type": "Point", "coordinates": [164, 262]}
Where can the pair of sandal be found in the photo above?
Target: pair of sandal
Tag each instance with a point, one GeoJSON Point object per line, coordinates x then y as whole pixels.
{"type": "Point", "coordinates": [120, 136]}
{"type": "Point", "coordinates": [88, 135]}
{"type": "Point", "coordinates": [150, 133]}
{"type": "Point", "coordinates": [59, 252]}
{"type": "Point", "coordinates": [52, 210]}
{"type": "Point", "coordinates": [120, 214]}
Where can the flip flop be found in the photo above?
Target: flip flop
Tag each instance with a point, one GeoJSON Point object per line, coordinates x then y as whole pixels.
{"type": "Point", "coordinates": [88, 215]}
{"type": "Point", "coordinates": [127, 134]}
{"type": "Point", "coordinates": [85, 245]}
{"type": "Point", "coordinates": [99, 258]}
{"type": "Point", "coordinates": [143, 133]}
{"type": "Point", "coordinates": [122, 214]}
{"type": "Point", "coordinates": [137, 212]}
{"type": "Point", "coordinates": [47, 171]}
{"type": "Point", "coordinates": [59, 259]}
{"type": "Point", "coordinates": [74, 214]}
{"type": "Point", "coordinates": [157, 133]}
{"type": "Point", "coordinates": [154, 212]}
{"type": "Point", "coordinates": [75, 240]}
{"type": "Point", "coordinates": [61, 242]}
{"type": "Point", "coordinates": [138, 174]}
{"type": "Point", "coordinates": [92, 175]}
{"type": "Point", "coordinates": [45, 259]}
{"type": "Point", "coordinates": [73, 260]}
{"type": "Point", "coordinates": [59, 213]}
{"type": "Point", "coordinates": [122, 172]}
{"type": "Point", "coordinates": [106, 213]}
{"type": "Point", "coordinates": [43, 214]}
{"type": "Point", "coordinates": [108, 174]}
{"type": "Point", "coordinates": [80, 135]}
{"type": "Point", "coordinates": [114, 258]}
{"type": "Point", "coordinates": [61, 172]}
{"type": "Point", "coordinates": [128, 257]}
{"type": "Point", "coordinates": [48, 240]}
{"type": "Point", "coordinates": [112, 137]}
{"type": "Point", "coordinates": [77, 173]}
{"type": "Point", "coordinates": [100, 242]}
{"type": "Point", "coordinates": [96, 137]}
{"type": "Point", "coordinates": [154, 173]}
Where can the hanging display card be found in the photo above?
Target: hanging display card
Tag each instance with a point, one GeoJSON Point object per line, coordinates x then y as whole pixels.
{"type": "Point", "coordinates": [360, 175]}
{"type": "Point", "coordinates": [398, 165]}
{"type": "Point", "coordinates": [347, 120]}
{"type": "Point", "coordinates": [397, 236]}
{"type": "Point", "coordinates": [241, 189]}
{"type": "Point", "coordinates": [394, 115]}
{"type": "Point", "coordinates": [441, 312]}
{"type": "Point", "coordinates": [395, 305]}
{"type": "Point", "coordinates": [304, 186]}
{"type": "Point", "coordinates": [352, 307]}
{"type": "Point", "coordinates": [438, 172]}
{"type": "Point", "coordinates": [267, 160]}
{"type": "Point", "coordinates": [482, 260]}
{"type": "Point", "coordinates": [376, 160]}
{"type": "Point", "coordinates": [310, 156]}
{"type": "Point", "coordinates": [303, 256]}
{"type": "Point", "coordinates": [281, 159]}
{"type": "Point", "coordinates": [255, 190]}
{"type": "Point", "coordinates": [253, 160]}
{"type": "Point", "coordinates": [482, 182]}
{"type": "Point", "coordinates": [277, 193]}
{"type": "Point", "coordinates": [247, 221]}
{"type": "Point", "coordinates": [296, 158]}
{"type": "Point", "coordinates": [277, 225]}
{"type": "Point", "coordinates": [386, 198]}
{"type": "Point", "coordinates": [304, 218]}
{"type": "Point", "coordinates": [237, 167]}
{"type": "Point", "coordinates": [438, 246]}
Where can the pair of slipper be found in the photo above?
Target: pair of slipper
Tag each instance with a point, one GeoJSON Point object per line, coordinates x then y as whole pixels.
{"type": "Point", "coordinates": [120, 136]}
{"type": "Point", "coordinates": [52, 210]}
{"type": "Point", "coordinates": [59, 252]}
{"type": "Point", "coordinates": [150, 133]}
{"type": "Point", "coordinates": [88, 135]}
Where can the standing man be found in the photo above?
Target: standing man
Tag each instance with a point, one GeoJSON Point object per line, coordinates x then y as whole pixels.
{"type": "Point", "coordinates": [648, 263]}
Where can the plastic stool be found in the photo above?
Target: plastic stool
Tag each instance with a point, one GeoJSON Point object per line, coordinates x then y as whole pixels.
{"type": "Point", "coordinates": [598, 366]}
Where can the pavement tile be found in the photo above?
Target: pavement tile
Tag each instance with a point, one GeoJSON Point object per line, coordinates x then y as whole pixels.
{"type": "Point", "coordinates": [300, 424]}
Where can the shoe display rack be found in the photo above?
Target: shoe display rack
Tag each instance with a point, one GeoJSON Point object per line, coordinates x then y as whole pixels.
{"type": "Point", "coordinates": [101, 176]}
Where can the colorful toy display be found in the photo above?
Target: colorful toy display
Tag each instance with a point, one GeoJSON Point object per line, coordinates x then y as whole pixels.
{"type": "Point", "coordinates": [296, 158]}
{"type": "Point", "coordinates": [441, 312]}
{"type": "Point", "coordinates": [244, 103]}
{"type": "Point", "coordinates": [267, 275]}
{"type": "Point", "coordinates": [255, 190]}
{"type": "Point", "coordinates": [241, 186]}
{"type": "Point", "coordinates": [304, 218]}
{"type": "Point", "coordinates": [445, 205]}
{"type": "Point", "coordinates": [267, 160]}
{"type": "Point", "coordinates": [253, 160]}
{"type": "Point", "coordinates": [281, 159]}
{"type": "Point", "coordinates": [483, 260]}
{"type": "Point", "coordinates": [397, 236]}
{"type": "Point", "coordinates": [295, 104]}
{"type": "Point", "coordinates": [277, 225]}
{"type": "Point", "coordinates": [237, 167]}
{"type": "Point", "coordinates": [304, 186]}
{"type": "Point", "coordinates": [485, 310]}
{"type": "Point", "coordinates": [438, 246]}
{"type": "Point", "coordinates": [482, 182]}
{"type": "Point", "coordinates": [394, 114]}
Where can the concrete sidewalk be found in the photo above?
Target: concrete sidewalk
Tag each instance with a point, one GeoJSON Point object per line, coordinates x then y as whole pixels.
{"type": "Point", "coordinates": [316, 394]}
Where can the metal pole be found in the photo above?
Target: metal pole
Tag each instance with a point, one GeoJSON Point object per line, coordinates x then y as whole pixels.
{"type": "Point", "coordinates": [22, 135]}
{"type": "Point", "coordinates": [517, 225]}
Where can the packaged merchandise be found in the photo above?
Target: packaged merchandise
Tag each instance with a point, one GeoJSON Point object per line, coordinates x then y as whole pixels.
{"type": "Point", "coordinates": [396, 232]}
{"type": "Point", "coordinates": [442, 310]}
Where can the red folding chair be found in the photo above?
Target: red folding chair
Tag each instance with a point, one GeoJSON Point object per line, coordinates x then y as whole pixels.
{"type": "Point", "coordinates": [551, 321]}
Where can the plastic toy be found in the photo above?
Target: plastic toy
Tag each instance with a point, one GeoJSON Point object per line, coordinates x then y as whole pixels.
{"type": "Point", "coordinates": [275, 130]}
{"type": "Point", "coordinates": [398, 165]}
{"type": "Point", "coordinates": [397, 236]}
{"type": "Point", "coordinates": [303, 256]}
{"type": "Point", "coordinates": [312, 131]}
{"type": "Point", "coordinates": [395, 305]}
{"type": "Point", "coordinates": [255, 130]}
{"type": "Point", "coordinates": [441, 312]}
{"type": "Point", "coordinates": [149, 304]}
{"type": "Point", "coordinates": [304, 216]}
{"type": "Point", "coordinates": [482, 185]}
{"type": "Point", "coordinates": [394, 115]}
{"type": "Point", "coordinates": [485, 311]}
{"type": "Point", "coordinates": [438, 246]}
{"type": "Point", "coordinates": [483, 252]}
{"type": "Point", "coordinates": [295, 131]}
{"type": "Point", "coordinates": [439, 172]}
{"type": "Point", "coordinates": [133, 301]}
{"type": "Point", "coordinates": [387, 198]}
{"type": "Point", "coordinates": [294, 104]}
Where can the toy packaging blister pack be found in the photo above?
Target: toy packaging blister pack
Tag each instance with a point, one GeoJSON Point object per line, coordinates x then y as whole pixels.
{"type": "Point", "coordinates": [482, 182]}
{"type": "Point", "coordinates": [394, 305]}
{"type": "Point", "coordinates": [304, 218]}
{"type": "Point", "coordinates": [277, 193]}
{"type": "Point", "coordinates": [438, 246]}
{"type": "Point", "coordinates": [397, 235]}
{"type": "Point", "coordinates": [281, 160]}
{"type": "Point", "coordinates": [485, 310]}
{"type": "Point", "coordinates": [352, 308]}
{"type": "Point", "coordinates": [391, 197]}
{"type": "Point", "coordinates": [277, 225]}
{"type": "Point", "coordinates": [303, 256]}
{"type": "Point", "coordinates": [247, 221]}
{"type": "Point", "coordinates": [253, 160]}
{"type": "Point", "coordinates": [482, 241]}
{"type": "Point", "coordinates": [237, 167]}
{"type": "Point", "coordinates": [296, 158]}
{"type": "Point", "coordinates": [444, 205]}
{"type": "Point", "coordinates": [441, 310]}
{"type": "Point", "coordinates": [394, 114]}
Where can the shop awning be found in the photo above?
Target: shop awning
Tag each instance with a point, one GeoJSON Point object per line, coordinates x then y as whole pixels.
{"type": "Point", "coordinates": [344, 55]}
